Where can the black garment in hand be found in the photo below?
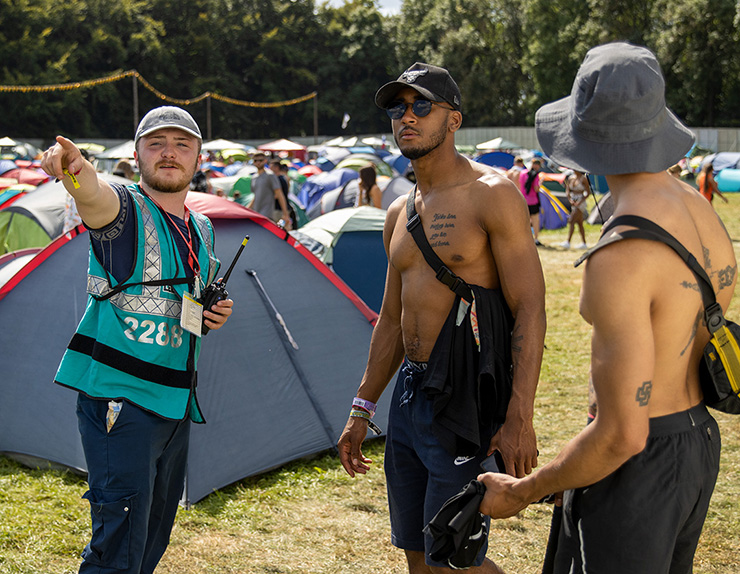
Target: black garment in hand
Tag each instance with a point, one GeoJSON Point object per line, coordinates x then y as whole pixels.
{"type": "Point", "coordinates": [459, 529]}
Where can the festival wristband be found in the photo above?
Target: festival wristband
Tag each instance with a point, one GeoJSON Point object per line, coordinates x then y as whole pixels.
{"type": "Point", "coordinates": [72, 177]}
{"type": "Point", "coordinates": [364, 404]}
{"type": "Point", "coordinates": [361, 414]}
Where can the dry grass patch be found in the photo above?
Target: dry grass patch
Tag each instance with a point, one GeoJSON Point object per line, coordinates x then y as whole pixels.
{"type": "Point", "coordinates": [309, 517]}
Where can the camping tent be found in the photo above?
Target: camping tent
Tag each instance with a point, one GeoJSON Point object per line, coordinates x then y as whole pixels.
{"type": "Point", "coordinates": [317, 185]}
{"type": "Point", "coordinates": [338, 198]}
{"type": "Point", "coordinates": [553, 214]}
{"type": "Point", "coordinates": [345, 196]}
{"type": "Point", "coordinates": [728, 180]}
{"type": "Point", "coordinates": [398, 162]}
{"type": "Point", "coordinates": [497, 143]}
{"type": "Point", "coordinates": [602, 211]}
{"type": "Point", "coordinates": [357, 161]}
{"type": "Point", "coordinates": [395, 188]}
{"type": "Point", "coordinates": [266, 401]}
{"type": "Point", "coordinates": [350, 241]}
{"type": "Point", "coordinates": [723, 160]}
{"type": "Point", "coordinates": [281, 145]}
{"type": "Point", "coordinates": [497, 159]}
{"type": "Point", "coordinates": [37, 217]}
{"type": "Point", "coordinates": [107, 160]}
{"type": "Point", "coordinates": [221, 144]}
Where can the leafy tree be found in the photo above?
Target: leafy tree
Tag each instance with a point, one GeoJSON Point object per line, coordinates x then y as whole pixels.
{"type": "Point", "coordinates": [698, 46]}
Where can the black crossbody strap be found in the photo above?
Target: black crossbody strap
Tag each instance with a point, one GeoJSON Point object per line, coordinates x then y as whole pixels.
{"type": "Point", "coordinates": [444, 275]}
{"type": "Point", "coordinates": [157, 283]}
{"type": "Point", "coordinates": [650, 230]}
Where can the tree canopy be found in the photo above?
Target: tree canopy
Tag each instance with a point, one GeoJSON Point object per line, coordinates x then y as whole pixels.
{"type": "Point", "coordinates": [508, 56]}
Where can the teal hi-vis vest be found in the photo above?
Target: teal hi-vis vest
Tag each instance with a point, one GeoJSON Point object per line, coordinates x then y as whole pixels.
{"type": "Point", "coordinates": [129, 343]}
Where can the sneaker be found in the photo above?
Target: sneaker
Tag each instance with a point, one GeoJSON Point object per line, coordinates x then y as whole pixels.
{"type": "Point", "coordinates": [565, 244]}
{"type": "Point", "coordinates": [537, 243]}
{"type": "Point", "coordinates": [582, 246]}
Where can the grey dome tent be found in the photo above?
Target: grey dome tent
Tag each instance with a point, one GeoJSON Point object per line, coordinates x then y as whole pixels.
{"type": "Point", "coordinates": [271, 392]}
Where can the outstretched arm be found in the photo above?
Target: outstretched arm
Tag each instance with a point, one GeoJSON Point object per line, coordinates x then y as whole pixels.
{"type": "Point", "coordinates": [622, 363]}
{"type": "Point", "coordinates": [97, 203]}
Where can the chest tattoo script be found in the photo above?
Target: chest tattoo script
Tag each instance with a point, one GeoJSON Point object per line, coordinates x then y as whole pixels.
{"type": "Point", "coordinates": [643, 393]}
{"type": "Point", "coordinates": [441, 223]}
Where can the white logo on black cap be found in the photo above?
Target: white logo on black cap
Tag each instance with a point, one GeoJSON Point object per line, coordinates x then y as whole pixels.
{"type": "Point", "coordinates": [410, 76]}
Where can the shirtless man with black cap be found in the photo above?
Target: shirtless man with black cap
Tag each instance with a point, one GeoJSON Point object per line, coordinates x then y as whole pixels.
{"type": "Point", "coordinates": [477, 223]}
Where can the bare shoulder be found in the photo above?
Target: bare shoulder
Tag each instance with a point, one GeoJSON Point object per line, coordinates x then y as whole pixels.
{"type": "Point", "coordinates": [395, 209]}
{"type": "Point", "coordinates": [496, 197]}
{"type": "Point", "coordinates": [619, 272]}
{"type": "Point", "coordinates": [492, 182]}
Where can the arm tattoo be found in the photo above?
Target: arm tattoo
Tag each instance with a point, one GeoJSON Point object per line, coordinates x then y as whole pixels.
{"type": "Point", "coordinates": [516, 348]}
{"type": "Point", "coordinates": [592, 408]}
{"type": "Point", "coordinates": [516, 340]}
{"type": "Point", "coordinates": [690, 285]}
{"type": "Point", "coordinates": [643, 393]}
{"type": "Point", "coordinates": [726, 276]}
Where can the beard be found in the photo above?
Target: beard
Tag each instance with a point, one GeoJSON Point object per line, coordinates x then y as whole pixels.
{"type": "Point", "coordinates": [161, 184]}
{"type": "Point", "coordinates": [418, 151]}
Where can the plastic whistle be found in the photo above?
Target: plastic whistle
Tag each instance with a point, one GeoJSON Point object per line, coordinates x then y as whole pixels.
{"type": "Point", "coordinates": [72, 177]}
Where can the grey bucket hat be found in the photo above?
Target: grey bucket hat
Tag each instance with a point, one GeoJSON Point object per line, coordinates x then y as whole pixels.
{"type": "Point", "coordinates": [615, 120]}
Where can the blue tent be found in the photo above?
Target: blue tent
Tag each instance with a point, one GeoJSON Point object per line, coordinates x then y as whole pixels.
{"type": "Point", "coordinates": [350, 241]}
{"type": "Point", "coordinates": [316, 185]}
{"type": "Point", "coordinates": [399, 162]}
{"type": "Point", "coordinates": [553, 214]}
{"type": "Point", "coordinates": [497, 159]}
{"type": "Point", "coordinates": [728, 180]}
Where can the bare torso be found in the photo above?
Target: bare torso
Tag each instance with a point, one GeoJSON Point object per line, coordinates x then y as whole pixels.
{"type": "Point", "coordinates": [456, 222]}
{"type": "Point", "coordinates": [661, 286]}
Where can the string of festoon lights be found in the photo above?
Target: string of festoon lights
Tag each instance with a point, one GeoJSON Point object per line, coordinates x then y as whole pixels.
{"type": "Point", "coordinates": [155, 91]}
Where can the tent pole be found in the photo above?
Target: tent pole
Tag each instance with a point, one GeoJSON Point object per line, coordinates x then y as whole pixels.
{"type": "Point", "coordinates": [290, 348]}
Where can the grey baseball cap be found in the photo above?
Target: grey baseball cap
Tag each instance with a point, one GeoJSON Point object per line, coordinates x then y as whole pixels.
{"type": "Point", "coordinates": [167, 117]}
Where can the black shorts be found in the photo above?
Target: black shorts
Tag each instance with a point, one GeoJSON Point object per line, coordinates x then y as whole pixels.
{"type": "Point", "coordinates": [646, 517]}
{"type": "Point", "coordinates": [534, 209]}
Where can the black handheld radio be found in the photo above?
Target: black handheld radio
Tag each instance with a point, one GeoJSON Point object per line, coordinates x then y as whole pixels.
{"type": "Point", "coordinates": [216, 291]}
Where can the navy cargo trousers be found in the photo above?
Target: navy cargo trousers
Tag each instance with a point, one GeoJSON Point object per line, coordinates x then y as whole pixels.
{"type": "Point", "coordinates": [136, 473]}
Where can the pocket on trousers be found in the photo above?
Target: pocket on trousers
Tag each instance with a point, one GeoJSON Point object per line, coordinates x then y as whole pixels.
{"type": "Point", "coordinates": [111, 528]}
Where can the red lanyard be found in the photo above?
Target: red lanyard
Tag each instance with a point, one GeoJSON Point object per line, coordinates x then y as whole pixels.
{"type": "Point", "coordinates": [192, 258]}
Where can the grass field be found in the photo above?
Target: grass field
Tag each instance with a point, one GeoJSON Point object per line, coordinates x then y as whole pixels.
{"type": "Point", "coordinates": [310, 517]}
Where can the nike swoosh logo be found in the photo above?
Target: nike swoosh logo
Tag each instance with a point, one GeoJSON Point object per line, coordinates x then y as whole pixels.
{"type": "Point", "coordinates": [463, 459]}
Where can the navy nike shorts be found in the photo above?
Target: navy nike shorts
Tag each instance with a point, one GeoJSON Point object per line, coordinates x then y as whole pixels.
{"type": "Point", "coordinates": [420, 474]}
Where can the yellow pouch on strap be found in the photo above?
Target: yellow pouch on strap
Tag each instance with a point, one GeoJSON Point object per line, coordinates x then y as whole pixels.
{"type": "Point", "coordinates": [720, 372]}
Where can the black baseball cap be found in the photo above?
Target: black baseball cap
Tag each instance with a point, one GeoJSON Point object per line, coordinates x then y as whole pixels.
{"type": "Point", "coordinates": [432, 82]}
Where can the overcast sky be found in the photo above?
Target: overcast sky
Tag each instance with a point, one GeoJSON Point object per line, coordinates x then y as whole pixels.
{"type": "Point", "coordinates": [386, 6]}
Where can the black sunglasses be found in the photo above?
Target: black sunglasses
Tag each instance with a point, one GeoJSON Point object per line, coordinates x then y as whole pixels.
{"type": "Point", "coordinates": [421, 108]}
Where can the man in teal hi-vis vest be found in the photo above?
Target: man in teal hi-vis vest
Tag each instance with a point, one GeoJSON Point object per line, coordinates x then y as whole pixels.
{"type": "Point", "coordinates": [133, 358]}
